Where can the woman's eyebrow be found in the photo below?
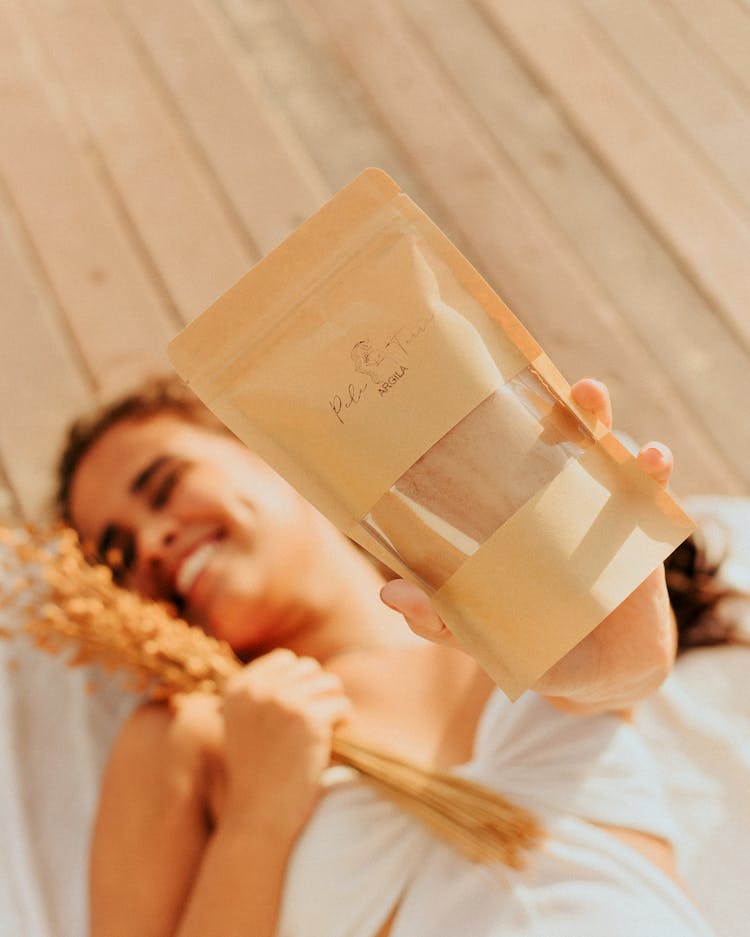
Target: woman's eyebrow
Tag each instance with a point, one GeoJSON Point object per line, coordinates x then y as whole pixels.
{"type": "Point", "coordinates": [142, 478]}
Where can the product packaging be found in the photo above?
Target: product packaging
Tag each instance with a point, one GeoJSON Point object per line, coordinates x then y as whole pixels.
{"type": "Point", "coordinates": [368, 362]}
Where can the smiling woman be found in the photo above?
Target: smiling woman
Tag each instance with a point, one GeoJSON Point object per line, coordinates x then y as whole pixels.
{"type": "Point", "coordinates": [191, 517]}
{"type": "Point", "coordinates": [202, 801]}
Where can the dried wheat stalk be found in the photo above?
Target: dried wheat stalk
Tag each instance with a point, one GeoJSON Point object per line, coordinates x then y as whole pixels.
{"type": "Point", "coordinates": [162, 655]}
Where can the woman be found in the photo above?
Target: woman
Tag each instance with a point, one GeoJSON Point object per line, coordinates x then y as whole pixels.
{"type": "Point", "coordinates": [212, 819]}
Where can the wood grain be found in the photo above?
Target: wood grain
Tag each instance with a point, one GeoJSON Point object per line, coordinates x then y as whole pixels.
{"type": "Point", "coordinates": [506, 233]}
{"type": "Point", "coordinates": [653, 295]}
{"type": "Point", "coordinates": [185, 230]}
{"type": "Point", "coordinates": [42, 387]}
{"type": "Point", "coordinates": [590, 157]}
{"type": "Point", "coordinates": [674, 192]}
{"type": "Point", "coordinates": [265, 173]}
{"type": "Point", "coordinates": [95, 270]}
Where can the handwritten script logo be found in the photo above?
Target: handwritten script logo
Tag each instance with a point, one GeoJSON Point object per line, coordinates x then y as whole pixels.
{"type": "Point", "coordinates": [381, 366]}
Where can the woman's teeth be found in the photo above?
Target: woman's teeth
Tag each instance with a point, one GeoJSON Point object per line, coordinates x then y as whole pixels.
{"type": "Point", "coordinates": [193, 566]}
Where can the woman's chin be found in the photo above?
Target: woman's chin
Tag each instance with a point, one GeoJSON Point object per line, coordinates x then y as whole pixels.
{"type": "Point", "coordinates": [248, 635]}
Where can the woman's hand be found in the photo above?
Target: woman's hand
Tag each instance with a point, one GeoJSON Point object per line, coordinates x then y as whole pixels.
{"type": "Point", "coordinates": [622, 660]}
{"type": "Point", "coordinates": [279, 713]}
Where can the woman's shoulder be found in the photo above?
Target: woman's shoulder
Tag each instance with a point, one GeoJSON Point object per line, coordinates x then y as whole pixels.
{"type": "Point", "coordinates": [185, 723]}
{"type": "Point", "coordinates": [176, 745]}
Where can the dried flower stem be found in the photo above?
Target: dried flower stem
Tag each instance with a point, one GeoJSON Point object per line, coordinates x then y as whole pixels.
{"type": "Point", "coordinates": [164, 656]}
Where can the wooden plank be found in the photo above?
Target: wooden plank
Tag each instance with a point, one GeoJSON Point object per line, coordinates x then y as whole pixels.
{"type": "Point", "coordinates": [321, 97]}
{"type": "Point", "coordinates": [668, 185]}
{"type": "Point", "coordinates": [722, 26]}
{"type": "Point", "coordinates": [41, 386]}
{"type": "Point", "coordinates": [316, 92]}
{"type": "Point", "coordinates": [114, 311]}
{"type": "Point", "coordinates": [195, 249]}
{"type": "Point", "coordinates": [506, 234]}
{"type": "Point", "coordinates": [701, 359]}
{"type": "Point", "coordinates": [263, 169]}
{"type": "Point", "coordinates": [700, 99]}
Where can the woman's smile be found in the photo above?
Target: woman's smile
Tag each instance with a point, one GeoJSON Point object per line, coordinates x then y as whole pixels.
{"type": "Point", "coordinates": [194, 567]}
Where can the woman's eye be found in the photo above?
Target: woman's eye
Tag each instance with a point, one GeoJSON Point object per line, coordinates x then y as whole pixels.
{"type": "Point", "coordinates": [118, 570]}
{"type": "Point", "coordinates": [163, 490]}
{"type": "Point", "coordinates": [160, 497]}
{"type": "Point", "coordinates": [120, 558]}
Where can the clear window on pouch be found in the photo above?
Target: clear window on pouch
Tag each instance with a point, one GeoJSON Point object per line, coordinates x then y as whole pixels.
{"type": "Point", "coordinates": [475, 478]}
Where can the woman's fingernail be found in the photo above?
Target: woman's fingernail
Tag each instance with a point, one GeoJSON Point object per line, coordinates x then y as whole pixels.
{"type": "Point", "coordinates": [398, 593]}
{"type": "Point", "coordinates": [656, 450]}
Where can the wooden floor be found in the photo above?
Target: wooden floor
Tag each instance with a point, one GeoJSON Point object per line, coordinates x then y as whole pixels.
{"type": "Point", "coordinates": [591, 157]}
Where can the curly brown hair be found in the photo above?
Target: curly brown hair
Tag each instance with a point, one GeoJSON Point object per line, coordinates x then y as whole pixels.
{"type": "Point", "coordinates": [698, 595]}
{"type": "Point", "coordinates": [158, 394]}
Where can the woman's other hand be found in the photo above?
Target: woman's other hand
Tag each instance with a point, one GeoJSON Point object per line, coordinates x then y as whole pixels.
{"type": "Point", "coordinates": [279, 714]}
{"type": "Point", "coordinates": [629, 654]}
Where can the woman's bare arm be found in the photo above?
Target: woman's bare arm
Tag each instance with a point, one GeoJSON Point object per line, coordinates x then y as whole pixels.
{"type": "Point", "coordinates": [158, 868]}
{"type": "Point", "coordinates": [153, 823]}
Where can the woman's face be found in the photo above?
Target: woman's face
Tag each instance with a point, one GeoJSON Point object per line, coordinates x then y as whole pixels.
{"type": "Point", "coordinates": [192, 517]}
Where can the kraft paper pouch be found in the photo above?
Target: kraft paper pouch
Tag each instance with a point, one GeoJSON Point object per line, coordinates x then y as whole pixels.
{"type": "Point", "coordinates": [369, 363]}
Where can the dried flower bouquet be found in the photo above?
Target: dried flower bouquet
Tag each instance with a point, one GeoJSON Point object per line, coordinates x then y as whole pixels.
{"type": "Point", "coordinates": [68, 604]}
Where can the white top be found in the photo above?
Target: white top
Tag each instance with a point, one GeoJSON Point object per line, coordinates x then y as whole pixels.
{"type": "Point", "coordinates": [360, 856]}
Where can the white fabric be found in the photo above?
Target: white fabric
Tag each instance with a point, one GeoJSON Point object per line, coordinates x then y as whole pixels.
{"type": "Point", "coordinates": [583, 883]}
{"type": "Point", "coordinates": [54, 738]}
{"type": "Point", "coordinates": [698, 727]}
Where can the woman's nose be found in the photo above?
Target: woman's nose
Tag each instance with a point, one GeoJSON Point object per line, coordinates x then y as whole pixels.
{"type": "Point", "coordinates": [154, 540]}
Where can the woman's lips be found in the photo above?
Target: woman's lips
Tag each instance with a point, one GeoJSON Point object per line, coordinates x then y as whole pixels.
{"type": "Point", "coordinates": [192, 566]}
